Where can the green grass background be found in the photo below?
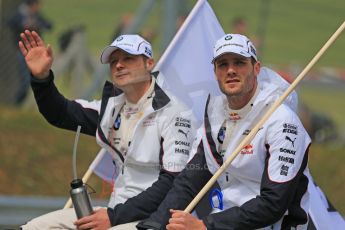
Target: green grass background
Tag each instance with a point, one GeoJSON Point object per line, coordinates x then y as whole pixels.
{"type": "Point", "coordinates": [36, 157]}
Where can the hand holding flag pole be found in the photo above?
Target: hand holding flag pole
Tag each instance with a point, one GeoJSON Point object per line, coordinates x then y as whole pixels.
{"type": "Point", "coordinates": [248, 138]}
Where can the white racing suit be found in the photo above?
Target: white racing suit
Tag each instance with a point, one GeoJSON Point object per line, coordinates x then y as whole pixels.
{"type": "Point", "coordinates": [159, 148]}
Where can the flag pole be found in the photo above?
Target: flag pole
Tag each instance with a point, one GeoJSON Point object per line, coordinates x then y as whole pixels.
{"type": "Point", "coordinates": [253, 132]}
{"type": "Point", "coordinates": [85, 178]}
{"type": "Point", "coordinates": [176, 38]}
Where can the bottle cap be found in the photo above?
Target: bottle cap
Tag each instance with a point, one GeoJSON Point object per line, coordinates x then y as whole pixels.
{"type": "Point", "coordinates": [76, 183]}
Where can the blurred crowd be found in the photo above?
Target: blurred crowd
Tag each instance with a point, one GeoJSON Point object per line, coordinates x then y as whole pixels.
{"type": "Point", "coordinates": [27, 16]}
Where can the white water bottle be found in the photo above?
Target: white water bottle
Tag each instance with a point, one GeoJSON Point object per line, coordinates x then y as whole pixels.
{"type": "Point", "coordinates": [80, 198]}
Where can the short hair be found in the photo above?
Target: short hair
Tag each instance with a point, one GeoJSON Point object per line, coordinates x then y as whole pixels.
{"type": "Point", "coordinates": [253, 60]}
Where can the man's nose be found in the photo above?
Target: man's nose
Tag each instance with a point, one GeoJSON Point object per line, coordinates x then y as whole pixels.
{"type": "Point", "coordinates": [119, 65]}
{"type": "Point", "coordinates": [231, 70]}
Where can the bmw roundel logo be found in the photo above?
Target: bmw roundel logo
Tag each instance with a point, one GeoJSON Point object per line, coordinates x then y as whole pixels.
{"type": "Point", "coordinates": [228, 37]}
{"type": "Point", "coordinates": [221, 135]}
{"type": "Point", "coordinates": [117, 122]}
{"type": "Point", "coordinates": [119, 38]}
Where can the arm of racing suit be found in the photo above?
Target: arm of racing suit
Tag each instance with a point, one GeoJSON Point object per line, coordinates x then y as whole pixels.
{"type": "Point", "coordinates": [61, 112]}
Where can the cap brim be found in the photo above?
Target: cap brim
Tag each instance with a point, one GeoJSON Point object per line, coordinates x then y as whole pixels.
{"type": "Point", "coordinates": [234, 51]}
{"type": "Point", "coordinates": [110, 49]}
{"type": "Point", "coordinates": [106, 53]}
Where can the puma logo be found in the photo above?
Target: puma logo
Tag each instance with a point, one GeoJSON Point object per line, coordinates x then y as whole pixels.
{"type": "Point", "coordinates": [185, 134]}
{"type": "Point", "coordinates": [292, 141]}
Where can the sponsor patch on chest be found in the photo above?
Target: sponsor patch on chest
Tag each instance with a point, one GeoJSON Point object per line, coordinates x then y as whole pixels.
{"type": "Point", "coordinates": [150, 120]}
{"type": "Point", "coordinates": [117, 122]}
{"type": "Point", "coordinates": [221, 134]}
{"type": "Point", "coordinates": [248, 149]}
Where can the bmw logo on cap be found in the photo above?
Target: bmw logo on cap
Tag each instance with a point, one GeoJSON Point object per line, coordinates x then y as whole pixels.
{"type": "Point", "coordinates": [228, 37]}
{"type": "Point", "coordinates": [119, 38]}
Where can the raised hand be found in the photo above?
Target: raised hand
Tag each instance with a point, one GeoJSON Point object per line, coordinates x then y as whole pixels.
{"type": "Point", "coordinates": [38, 56]}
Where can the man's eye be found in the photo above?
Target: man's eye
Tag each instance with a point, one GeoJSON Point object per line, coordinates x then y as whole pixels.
{"type": "Point", "coordinates": [128, 58]}
{"type": "Point", "coordinates": [222, 64]}
{"type": "Point", "coordinates": [239, 62]}
{"type": "Point", "coordinates": [112, 61]}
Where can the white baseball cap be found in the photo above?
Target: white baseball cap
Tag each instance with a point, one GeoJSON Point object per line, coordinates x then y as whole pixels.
{"type": "Point", "coordinates": [234, 43]}
{"type": "Point", "coordinates": [130, 43]}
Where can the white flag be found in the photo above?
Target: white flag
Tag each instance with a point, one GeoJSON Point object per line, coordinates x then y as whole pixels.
{"type": "Point", "coordinates": [323, 215]}
{"type": "Point", "coordinates": [104, 166]}
{"type": "Point", "coordinates": [185, 68]}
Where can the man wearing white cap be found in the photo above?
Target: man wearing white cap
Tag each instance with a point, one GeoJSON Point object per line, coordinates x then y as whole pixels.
{"type": "Point", "coordinates": [265, 187]}
{"type": "Point", "coordinates": [148, 131]}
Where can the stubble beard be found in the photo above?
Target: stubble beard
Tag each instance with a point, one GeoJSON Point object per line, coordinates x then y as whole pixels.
{"type": "Point", "coordinates": [242, 93]}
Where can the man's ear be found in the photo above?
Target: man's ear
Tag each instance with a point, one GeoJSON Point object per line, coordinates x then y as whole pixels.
{"type": "Point", "coordinates": [257, 67]}
{"type": "Point", "coordinates": [150, 63]}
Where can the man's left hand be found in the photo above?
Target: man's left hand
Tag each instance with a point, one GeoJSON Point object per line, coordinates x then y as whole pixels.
{"type": "Point", "coordinates": [181, 220]}
{"type": "Point", "coordinates": [99, 220]}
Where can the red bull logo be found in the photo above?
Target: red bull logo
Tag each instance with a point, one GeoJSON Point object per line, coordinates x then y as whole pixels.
{"type": "Point", "coordinates": [234, 116]}
{"type": "Point", "coordinates": [248, 149]}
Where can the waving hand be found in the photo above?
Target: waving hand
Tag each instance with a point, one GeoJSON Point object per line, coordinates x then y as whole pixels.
{"type": "Point", "coordinates": [38, 56]}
